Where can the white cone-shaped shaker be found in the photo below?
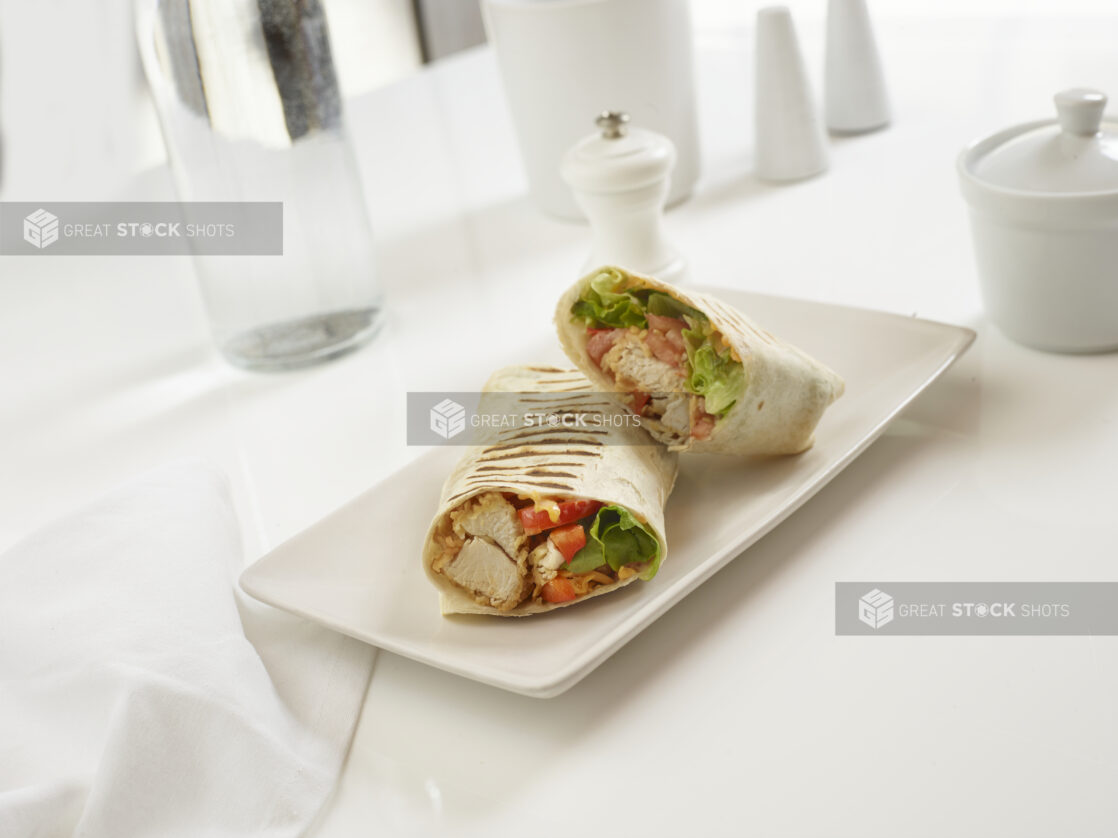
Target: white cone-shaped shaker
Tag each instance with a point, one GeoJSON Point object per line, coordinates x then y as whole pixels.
{"type": "Point", "coordinates": [854, 85]}
{"type": "Point", "coordinates": [789, 141]}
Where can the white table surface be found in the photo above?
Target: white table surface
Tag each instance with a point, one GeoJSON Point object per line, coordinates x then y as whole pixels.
{"type": "Point", "coordinates": [739, 712]}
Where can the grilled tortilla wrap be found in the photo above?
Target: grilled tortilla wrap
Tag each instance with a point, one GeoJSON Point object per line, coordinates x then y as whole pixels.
{"type": "Point", "coordinates": [479, 552]}
{"type": "Point", "coordinates": [705, 377]}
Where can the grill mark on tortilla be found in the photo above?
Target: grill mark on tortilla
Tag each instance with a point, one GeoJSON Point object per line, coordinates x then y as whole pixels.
{"type": "Point", "coordinates": [508, 467]}
{"type": "Point", "coordinates": [547, 382]}
{"type": "Point", "coordinates": [763, 335]}
{"type": "Point", "coordinates": [543, 395]}
{"type": "Point", "coordinates": [559, 440]}
{"type": "Point", "coordinates": [572, 439]}
{"type": "Point", "coordinates": [546, 472]}
{"type": "Point", "coordinates": [527, 437]}
{"type": "Point", "coordinates": [583, 409]}
{"type": "Point", "coordinates": [473, 491]}
{"type": "Point", "coordinates": [522, 454]}
{"type": "Point", "coordinates": [590, 430]}
{"type": "Point", "coordinates": [543, 392]}
{"type": "Point", "coordinates": [462, 495]}
{"type": "Point", "coordinates": [531, 471]}
{"type": "Point", "coordinates": [535, 429]}
{"type": "Point", "coordinates": [547, 369]}
{"type": "Point", "coordinates": [537, 453]}
{"type": "Point", "coordinates": [736, 319]}
{"type": "Point", "coordinates": [519, 480]}
{"type": "Point", "coordinates": [544, 484]}
{"type": "Point", "coordinates": [573, 410]}
{"type": "Point", "coordinates": [579, 398]}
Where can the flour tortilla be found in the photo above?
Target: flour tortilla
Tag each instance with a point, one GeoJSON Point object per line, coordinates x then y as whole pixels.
{"type": "Point", "coordinates": [786, 390]}
{"type": "Point", "coordinates": [629, 470]}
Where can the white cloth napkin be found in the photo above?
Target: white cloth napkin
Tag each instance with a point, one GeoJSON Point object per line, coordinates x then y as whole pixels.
{"type": "Point", "coordinates": [142, 695]}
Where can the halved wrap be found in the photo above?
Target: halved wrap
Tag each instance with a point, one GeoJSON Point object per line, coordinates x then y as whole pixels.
{"type": "Point", "coordinates": [544, 517]}
{"type": "Point", "coordinates": [702, 376]}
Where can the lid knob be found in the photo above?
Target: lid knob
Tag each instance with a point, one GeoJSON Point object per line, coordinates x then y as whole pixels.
{"type": "Point", "coordinates": [612, 124]}
{"type": "Point", "coordinates": [1080, 110]}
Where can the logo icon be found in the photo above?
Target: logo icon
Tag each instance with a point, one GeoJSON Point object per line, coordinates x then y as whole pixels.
{"type": "Point", "coordinates": [875, 609]}
{"type": "Point", "coordinates": [448, 419]}
{"type": "Point", "coordinates": [40, 229]}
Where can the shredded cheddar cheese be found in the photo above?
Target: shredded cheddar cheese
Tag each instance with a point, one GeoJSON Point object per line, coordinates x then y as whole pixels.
{"type": "Point", "coordinates": [550, 507]}
{"type": "Point", "coordinates": [584, 583]}
{"type": "Point", "coordinates": [539, 504]}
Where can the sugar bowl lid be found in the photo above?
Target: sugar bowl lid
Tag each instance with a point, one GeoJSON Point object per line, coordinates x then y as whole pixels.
{"type": "Point", "coordinates": [618, 158]}
{"type": "Point", "coordinates": [1075, 154]}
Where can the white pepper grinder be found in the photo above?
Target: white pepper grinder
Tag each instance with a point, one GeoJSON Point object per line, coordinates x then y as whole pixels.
{"type": "Point", "coordinates": [620, 177]}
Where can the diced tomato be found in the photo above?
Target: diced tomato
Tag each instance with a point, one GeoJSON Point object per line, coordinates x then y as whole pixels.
{"type": "Point", "coordinates": [665, 324]}
{"type": "Point", "coordinates": [558, 590]}
{"type": "Point", "coordinates": [664, 349]}
{"type": "Point", "coordinates": [538, 520]}
{"type": "Point", "coordinates": [665, 338]}
{"type": "Point", "coordinates": [702, 426]}
{"type": "Point", "coordinates": [639, 401]}
{"type": "Point", "coordinates": [702, 423]}
{"type": "Point", "coordinates": [568, 540]}
{"type": "Point", "coordinates": [599, 341]}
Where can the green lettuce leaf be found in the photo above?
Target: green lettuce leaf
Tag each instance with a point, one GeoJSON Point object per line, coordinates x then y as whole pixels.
{"type": "Point", "coordinates": [662, 305]}
{"type": "Point", "coordinates": [714, 375]}
{"type": "Point", "coordinates": [600, 307]}
{"type": "Point", "coordinates": [616, 538]}
{"type": "Point", "coordinates": [711, 373]}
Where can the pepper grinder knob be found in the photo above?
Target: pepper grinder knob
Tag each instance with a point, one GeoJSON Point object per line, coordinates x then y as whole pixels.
{"type": "Point", "coordinates": [620, 177]}
{"type": "Point", "coordinates": [613, 124]}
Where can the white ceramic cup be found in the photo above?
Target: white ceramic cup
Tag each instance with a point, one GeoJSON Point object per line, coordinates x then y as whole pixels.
{"type": "Point", "coordinates": [563, 62]}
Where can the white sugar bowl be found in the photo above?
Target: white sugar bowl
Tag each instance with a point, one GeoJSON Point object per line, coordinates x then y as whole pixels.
{"type": "Point", "coordinates": [1043, 200]}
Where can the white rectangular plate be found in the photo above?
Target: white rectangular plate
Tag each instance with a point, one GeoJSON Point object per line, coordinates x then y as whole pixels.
{"type": "Point", "coordinates": [358, 570]}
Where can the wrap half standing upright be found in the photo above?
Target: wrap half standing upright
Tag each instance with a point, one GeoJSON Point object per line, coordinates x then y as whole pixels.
{"type": "Point", "coordinates": [703, 376]}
